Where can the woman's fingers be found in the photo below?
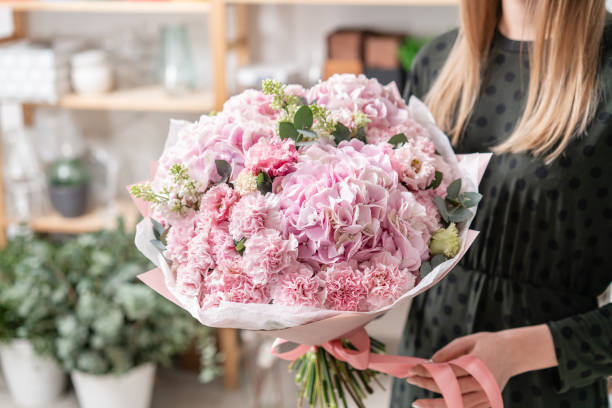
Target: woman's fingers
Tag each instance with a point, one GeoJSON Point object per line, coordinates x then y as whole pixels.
{"type": "Point", "coordinates": [420, 371]}
{"type": "Point", "coordinates": [454, 349]}
{"type": "Point", "coordinates": [467, 384]}
{"type": "Point", "coordinates": [470, 400]}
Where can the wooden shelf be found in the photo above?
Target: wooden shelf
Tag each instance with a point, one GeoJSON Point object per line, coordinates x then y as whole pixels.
{"type": "Point", "coordinates": [116, 6]}
{"type": "Point", "coordinates": [101, 218]}
{"type": "Point", "coordinates": [146, 99]}
{"type": "Point", "coordinates": [351, 2]}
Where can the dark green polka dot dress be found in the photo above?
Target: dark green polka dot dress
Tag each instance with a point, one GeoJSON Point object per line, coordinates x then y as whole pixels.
{"type": "Point", "coordinates": [545, 249]}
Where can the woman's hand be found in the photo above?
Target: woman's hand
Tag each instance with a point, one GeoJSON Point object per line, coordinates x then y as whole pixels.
{"type": "Point", "coordinates": [505, 353]}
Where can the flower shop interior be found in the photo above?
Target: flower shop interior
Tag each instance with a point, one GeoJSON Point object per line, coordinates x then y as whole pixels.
{"type": "Point", "coordinates": [88, 90]}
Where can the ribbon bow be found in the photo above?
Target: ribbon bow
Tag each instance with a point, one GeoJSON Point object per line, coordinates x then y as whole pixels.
{"type": "Point", "coordinates": [400, 366]}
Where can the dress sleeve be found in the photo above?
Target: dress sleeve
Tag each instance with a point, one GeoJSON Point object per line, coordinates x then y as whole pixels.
{"type": "Point", "coordinates": [417, 78]}
{"type": "Point", "coordinates": [583, 344]}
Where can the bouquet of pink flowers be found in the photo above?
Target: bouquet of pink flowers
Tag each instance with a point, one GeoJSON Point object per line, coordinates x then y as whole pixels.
{"type": "Point", "coordinates": [294, 207]}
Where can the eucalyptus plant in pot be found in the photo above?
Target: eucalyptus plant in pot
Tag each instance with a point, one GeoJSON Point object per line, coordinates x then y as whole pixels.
{"type": "Point", "coordinates": [119, 329]}
{"type": "Point", "coordinates": [32, 295]}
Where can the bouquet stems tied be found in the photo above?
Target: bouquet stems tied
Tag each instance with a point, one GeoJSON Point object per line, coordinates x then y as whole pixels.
{"type": "Point", "coordinates": [324, 381]}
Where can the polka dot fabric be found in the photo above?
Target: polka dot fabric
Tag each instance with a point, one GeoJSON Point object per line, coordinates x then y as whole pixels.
{"type": "Point", "coordinates": [545, 249]}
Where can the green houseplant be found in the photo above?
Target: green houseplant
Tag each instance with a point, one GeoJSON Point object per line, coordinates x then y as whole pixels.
{"type": "Point", "coordinates": [68, 186]}
{"type": "Point", "coordinates": [118, 329]}
{"type": "Point", "coordinates": [32, 295]}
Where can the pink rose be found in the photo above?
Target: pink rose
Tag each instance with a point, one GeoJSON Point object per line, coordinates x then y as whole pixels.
{"type": "Point", "coordinates": [218, 201]}
{"type": "Point", "coordinates": [253, 213]}
{"type": "Point", "coordinates": [267, 253]}
{"type": "Point", "coordinates": [297, 285]}
{"type": "Point", "coordinates": [385, 281]}
{"type": "Point", "coordinates": [273, 156]}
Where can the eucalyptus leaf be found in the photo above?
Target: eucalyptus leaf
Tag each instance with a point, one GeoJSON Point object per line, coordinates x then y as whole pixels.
{"type": "Point", "coordinates": [437, 260]}
{"type": "Point", "coordinates": [452, 191]}
{"type": "Point", "coordinates": [435, 183]}
{"type": "Point", "coordinates": [425, 268]}
{"type": "Point", "coordinates": [398, 140]}
{"type": "Point", "coordinates": [470, 199]}
{"type": "Point", "coordinates": [264, 183]}
{"type": "Point", "coordinates": [360, 134]}
{"type": "Point", "coordinates": [224, 170]}
{"type": "Point", "coordinates": [307, 133]}
{"type": "Point", "coordinates": [286, 130]}
{"type": "Point", "coordinates": [341, 133]}
{"type": "Point", "coordinates": [441, 204]}
{"type": "Point", "coordinates": [459, 215]}
{"type": "Point", "coordinates": [158, 229]}
{"type": "Point", "coordinates": [303, 118]}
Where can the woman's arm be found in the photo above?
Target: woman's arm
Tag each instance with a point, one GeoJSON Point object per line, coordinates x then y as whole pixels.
{"type": "Point", "coordinates": [580, 346]}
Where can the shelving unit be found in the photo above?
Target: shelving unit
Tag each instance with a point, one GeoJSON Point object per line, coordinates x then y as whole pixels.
{"type": "Point", "coordinates": [100, 218]}
{"type": "Point", "coordinates": [155, 7]}
{"type": "Point", "coordinates": [151, 99]}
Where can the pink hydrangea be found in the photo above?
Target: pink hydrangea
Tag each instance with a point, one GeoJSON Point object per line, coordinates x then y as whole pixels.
{"type": "Point", "coordinates": [253, 213]}
{"type": "Point", "coordinates": [385, 281]}
{"type": "Point", "coordinates": [267, 253]}
{"type": "Point", "coordinates": [345, 288]}
{"type": "Point", "coordinates": [298, 285]}
{"type": "Point", "coordinates": [273, 156]}
{"type": "Point", "coordinates": [218, 201]}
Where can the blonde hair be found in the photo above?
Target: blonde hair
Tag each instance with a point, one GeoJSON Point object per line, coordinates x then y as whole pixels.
{"type": "Point", "coordinates": [564, 64]}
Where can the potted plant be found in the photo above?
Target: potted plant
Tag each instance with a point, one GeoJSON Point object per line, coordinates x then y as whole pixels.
{"type": "Point", "coordinates": [68, 184]}
{"type": "Point", "coordinates": [118, 329]}
{"type": "Point", "coordinates": [31, 297]}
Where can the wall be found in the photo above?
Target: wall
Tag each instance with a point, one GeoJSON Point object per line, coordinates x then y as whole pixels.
{"type": "Point", "coordinates": [278, 34]}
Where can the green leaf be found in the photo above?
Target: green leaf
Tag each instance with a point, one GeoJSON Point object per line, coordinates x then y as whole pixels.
{"type": "Point", "coordinates": [437, 260]}
{"type": "Point", "coordinates": [223, 169]}
{"type": "Point", "coordinates": [452, 191]}
{"type": "Point", "coordinates": [441, 204]}
{"type": "Point", "coordinates": [264, 183]}
{"type": "Point", "coordinates": [360, 134]}
{"type": "Point", "coordinates": [397, 140]}
{"type": "Point", "coordinates": [341, 133]}
{"type": "Point", "coordinates": [286, 130]}
{"type": "Point", "coordinates": [425, 268]}
{"type": "Point", "coordinates": [459, 215]}
{"type": "Point", "coordinates": [158, 229]}
{"type": "Point", "coordinates": [470, 199]}
{"type": "Point", "coordinates": [239, 245]}
{"type": "Point", "coordinates": [435, 183]}
{"type": "Point", "coordinates": [303, 118]}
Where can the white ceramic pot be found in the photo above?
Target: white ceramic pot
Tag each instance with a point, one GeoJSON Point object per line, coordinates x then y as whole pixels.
{"type": "Point", "coordinates": [33, 380]}
{"type": "Point", "coordinates": [130, 390]}
{"type": "Point", "coordinates": [91, 72]}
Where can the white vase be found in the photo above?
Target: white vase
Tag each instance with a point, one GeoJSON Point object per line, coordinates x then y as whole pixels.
{"type": "Point", "coordinates": [130, 390]}
{"type": "Point", "coordinates": [33, 380]}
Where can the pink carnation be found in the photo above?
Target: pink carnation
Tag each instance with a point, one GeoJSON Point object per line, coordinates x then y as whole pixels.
{"type": "Point", "coordinates": [188, 280]}
{"type": "Point", "coordinates": [253, 213]}
{"type": "Point", "coordinates": [200, 251]}
{"type": "Point", "coordinates": [297, 285]}
{"type": "Point", "coordinates": [240, 288]}
{"type": "Point", "coordinates": [218, 201]}
{"type": "Point", "coordinates": [273, 156]}
{"type": "Point", "coordinates": [345, 288]}
{"type": "Point", "coordinates": [223, 248]}
{"type": "Point", "coordinates": [177, 242]}
{"type": "Point", "coordinates": [267, 253]}
{"type": "Point", "coordinates": [384, 280]}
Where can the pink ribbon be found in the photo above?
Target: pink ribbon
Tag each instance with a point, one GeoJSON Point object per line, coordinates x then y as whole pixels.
{"type": "Point", "coordinates": [400, 366]}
